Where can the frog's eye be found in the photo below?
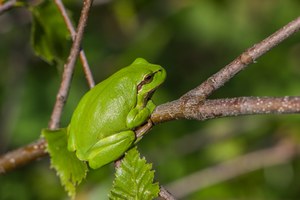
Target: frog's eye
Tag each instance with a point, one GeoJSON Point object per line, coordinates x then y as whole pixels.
{"type": "Point", "coordinates": [147, 79]}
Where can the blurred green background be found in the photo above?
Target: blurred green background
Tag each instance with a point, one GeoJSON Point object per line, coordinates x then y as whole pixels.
{"type": "Point", "coordinates": [192, 40]}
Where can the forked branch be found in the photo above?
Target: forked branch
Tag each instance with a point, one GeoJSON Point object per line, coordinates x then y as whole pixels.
{"type": "Point", "coordinates": [82, 56]}
{"type": "Point", "coordinates": [35, 150]}
{"type": "Point", "coordinates": [69, 68]}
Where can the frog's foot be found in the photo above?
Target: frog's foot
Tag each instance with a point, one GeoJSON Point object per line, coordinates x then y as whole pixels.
{"type": "Point", "coordinates": [137, 117]}
{"type": "Point", "coordinates": [109, 148]}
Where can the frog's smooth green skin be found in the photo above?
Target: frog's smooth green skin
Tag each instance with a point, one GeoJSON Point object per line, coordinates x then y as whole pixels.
{"type": "Point", "coordinates": [102, 126]}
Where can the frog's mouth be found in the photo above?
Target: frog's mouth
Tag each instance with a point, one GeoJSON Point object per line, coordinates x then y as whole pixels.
{"type": "Point", "coordinates": [147, 95]}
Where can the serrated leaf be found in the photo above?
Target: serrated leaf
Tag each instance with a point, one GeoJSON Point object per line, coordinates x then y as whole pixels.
{"type": "Point", "coordinates": [134, 179]}
{"type": "Point", "coordinates": [49, 36]}
{"type": "Point", "coordinates": [68, 167]}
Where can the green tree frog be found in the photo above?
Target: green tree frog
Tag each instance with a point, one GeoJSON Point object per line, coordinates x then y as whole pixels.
{"type": "Point", "coordinates": [103, 124]}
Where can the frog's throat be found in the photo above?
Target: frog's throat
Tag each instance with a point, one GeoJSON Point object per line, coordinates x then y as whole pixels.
{"type": "Point", "coordinates": [144, 97]}
{"type": "Point", "coordinates": [148, 96]}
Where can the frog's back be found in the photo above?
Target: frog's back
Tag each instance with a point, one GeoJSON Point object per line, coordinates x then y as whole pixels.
{"type": "Point", "coordinates": [101, 112]}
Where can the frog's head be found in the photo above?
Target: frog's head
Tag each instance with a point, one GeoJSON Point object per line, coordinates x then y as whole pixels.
{"type": "Point", "coordinates": [148, 78]}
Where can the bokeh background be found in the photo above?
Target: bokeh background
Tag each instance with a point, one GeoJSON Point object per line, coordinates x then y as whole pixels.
{"type": "Point", "coordinates": [192, 40]}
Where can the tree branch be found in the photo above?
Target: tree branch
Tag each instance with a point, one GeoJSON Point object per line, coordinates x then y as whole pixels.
{"type": "Point", "coordinates": [216, 108]}
{"type": "Point", "coordinates": [281, 153]}
{"type": "Point", "coordinates": [22, 156]}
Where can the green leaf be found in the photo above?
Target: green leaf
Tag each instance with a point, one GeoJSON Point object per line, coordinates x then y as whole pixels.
{"type": "Point", "coordinates": [68, 167]}
{"type": "Point", "coordinates": [134, 179]}
{"type": "Point", "coordinates": [49, 36]}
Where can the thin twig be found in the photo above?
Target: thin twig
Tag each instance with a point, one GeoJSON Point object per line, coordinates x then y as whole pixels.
{"type": "Point", "coordinates": [249, 56]}
{"type": "Point", "coordinates": [88, 74]}
{"type": "Point", "coordinates": [281, 153]}
{"type": "Point", "coordinates": [35, 150]}
{"type": "Point", "coordinates": [211, 109]}
{"type": "Point", "coordinates": [7, 6]}
{"type": "Point", "coordinates": [83, 59]}
{"type": "Point", "coordinates": [69, 68]}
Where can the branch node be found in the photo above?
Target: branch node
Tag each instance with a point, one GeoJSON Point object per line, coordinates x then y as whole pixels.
{"type": "Point", "coordinates": [246, 59]}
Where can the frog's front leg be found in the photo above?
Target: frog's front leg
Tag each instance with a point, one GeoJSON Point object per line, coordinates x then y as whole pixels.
{"type": "Point", "coordinates": [139, 116]}
{"type": "Point", "coordinates": [110, 148]}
